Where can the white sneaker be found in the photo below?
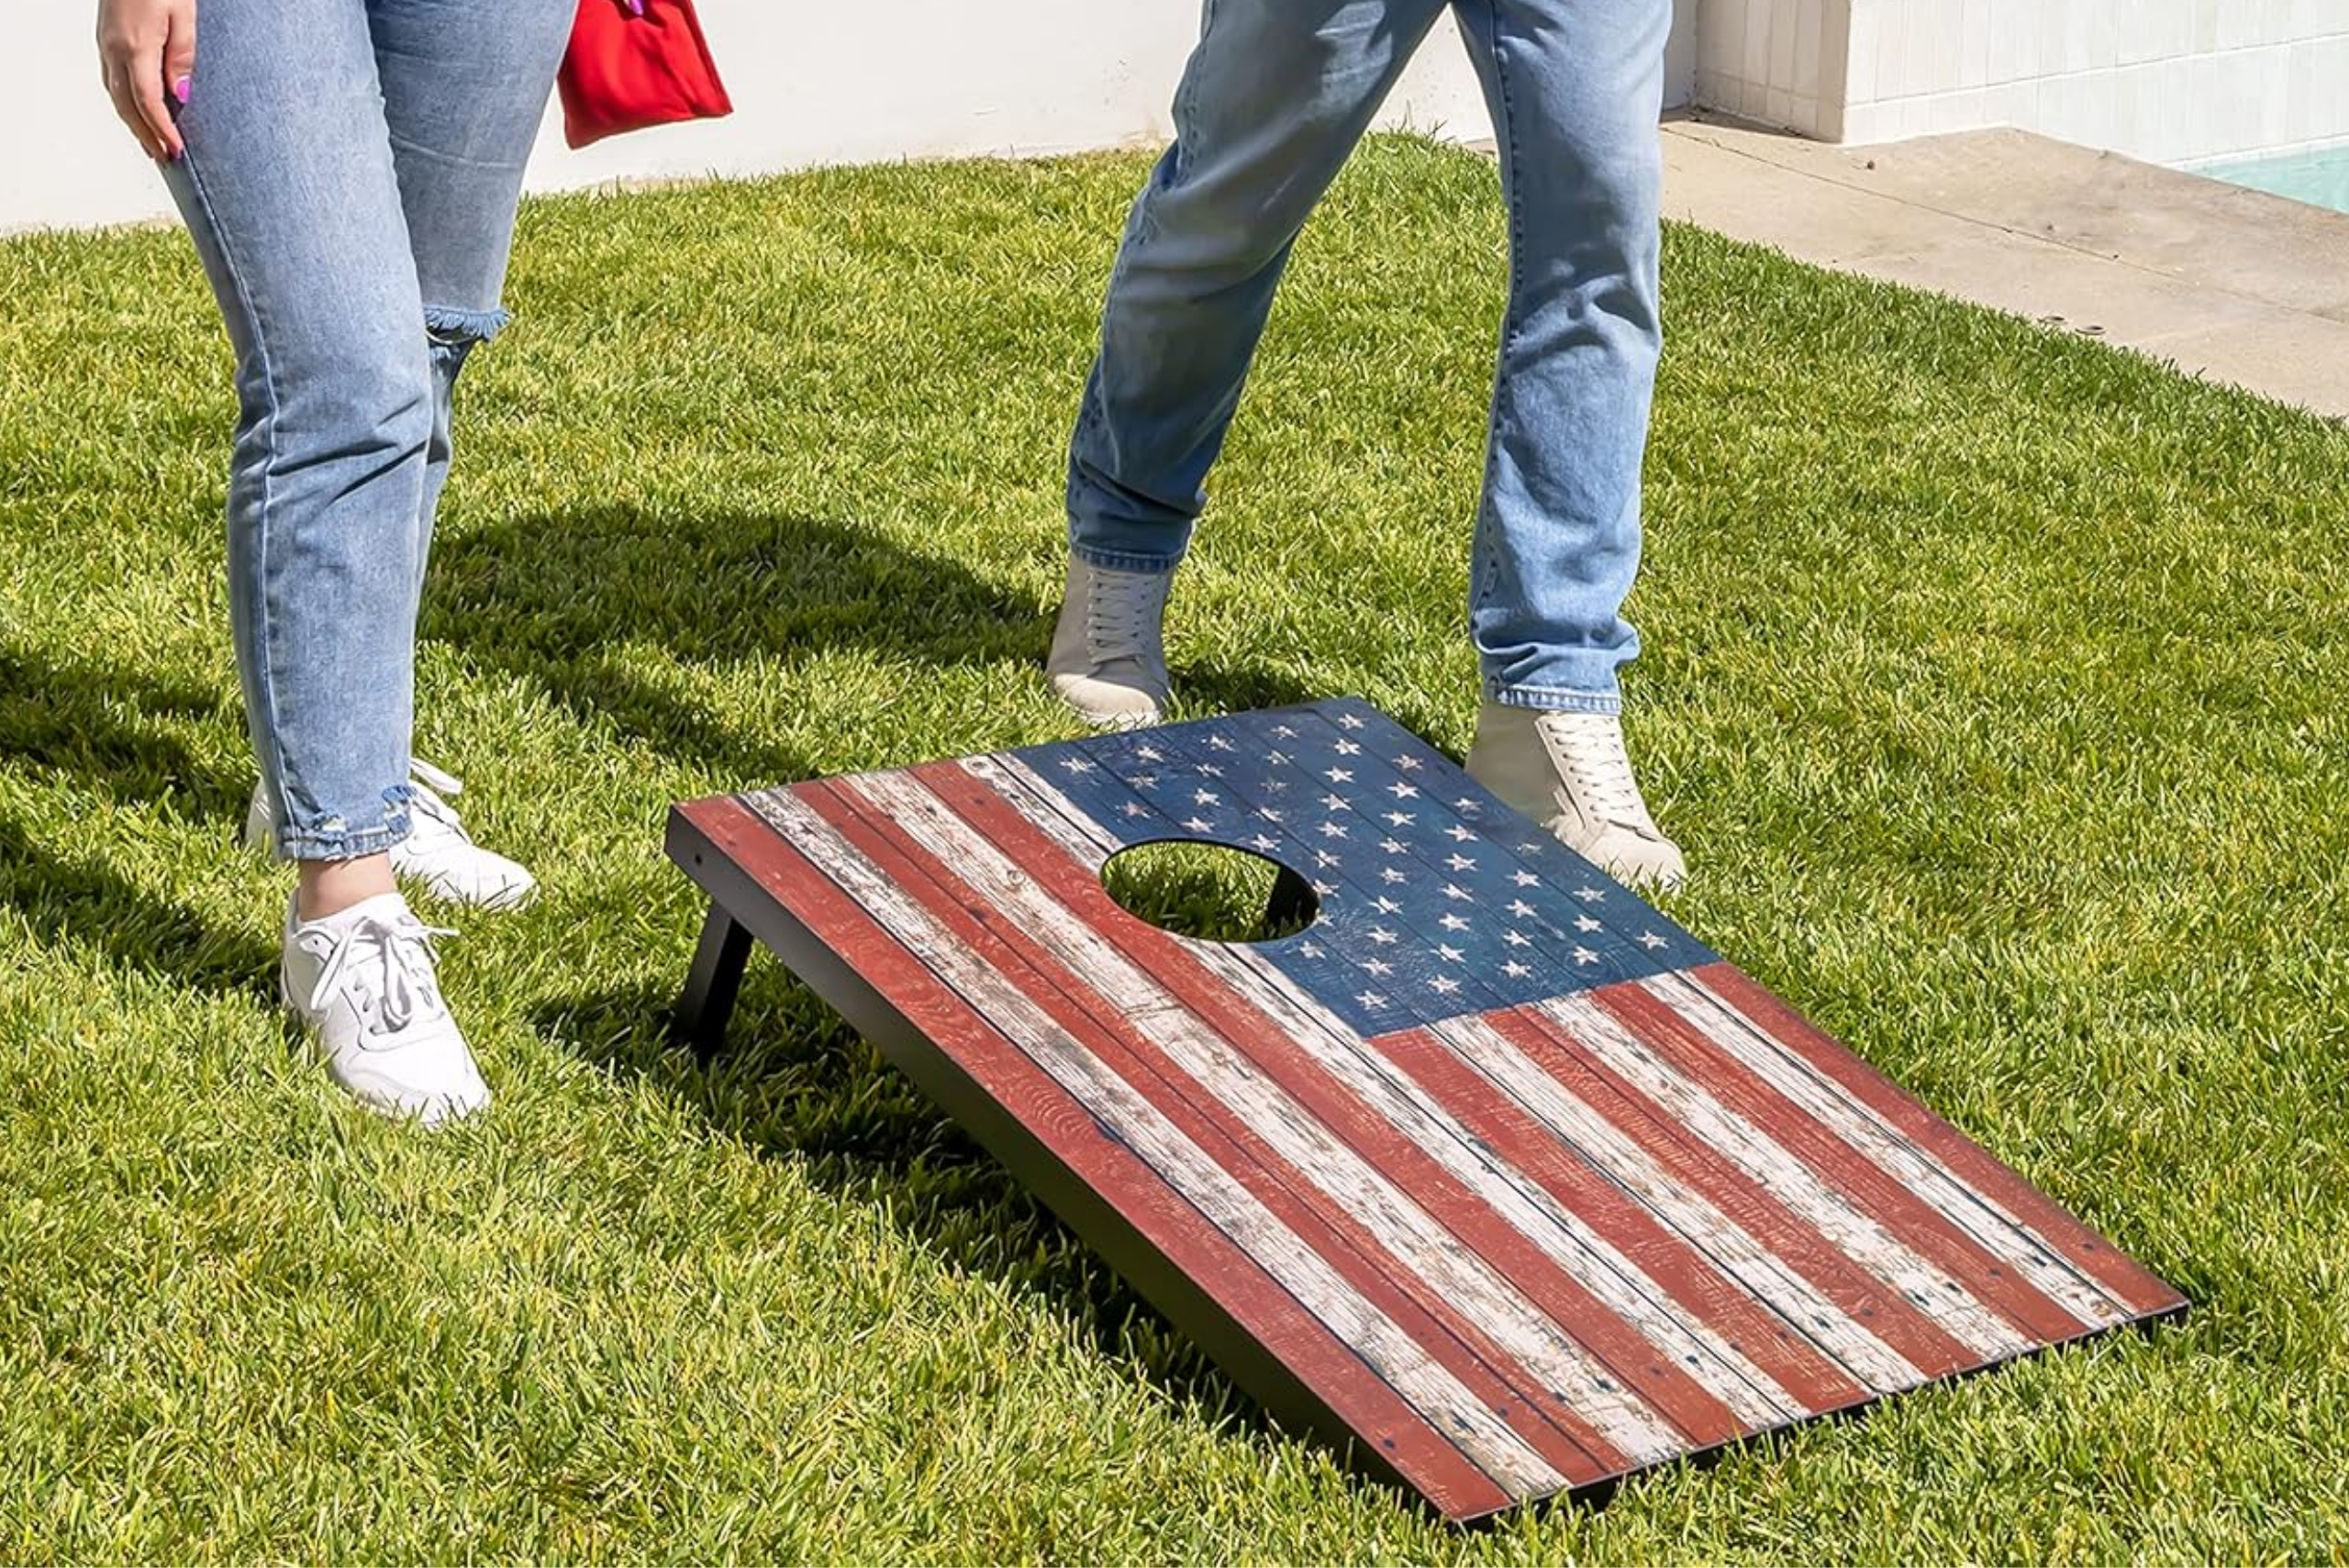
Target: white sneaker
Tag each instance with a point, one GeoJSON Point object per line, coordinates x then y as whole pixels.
{"type": "Point", "coordinates": [437, 852]}
{"type": "Point", "coordinates": [1569, 773]}
{"type": "Point", "coordinates": [1108, 660]}
{"type": "Point", "coordinates": [364, 983]}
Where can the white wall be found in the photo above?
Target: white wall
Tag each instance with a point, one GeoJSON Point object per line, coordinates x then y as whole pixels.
{"type": "Point", "coordinates": [812, 83]}
{"type": "Point", "coordinates": [2167, 81]}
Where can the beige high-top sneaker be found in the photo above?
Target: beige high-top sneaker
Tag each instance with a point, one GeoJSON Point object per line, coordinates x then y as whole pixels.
{"type": "Point", "coordinates": [1108, 660]}
{"type": "Point", "coordinates": [1569, 773]}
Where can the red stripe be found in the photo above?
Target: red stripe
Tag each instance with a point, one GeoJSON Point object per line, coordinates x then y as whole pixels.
{"type": "Point", "coordinates": [2072, 1240]}
{"type": "Point", "coordinates": [1343, 1242]}
{"type": "Point", "coordinates": [1626, 1352]}
{"type": "Point", "coordinates": [1319, 1358]}
{"type": "Point", "coordinates": [1931, 1233]}
{"type": "Point", "coordinates": [1878, 1305]}
{"type": "Point", "coordinates": [1694, 1280]}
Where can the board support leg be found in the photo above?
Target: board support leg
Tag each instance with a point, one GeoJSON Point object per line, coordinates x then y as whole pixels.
{"type": "Point", "coordinates": [708, 1001]}
{"type": "Point", "coordinates": [1292, 903]}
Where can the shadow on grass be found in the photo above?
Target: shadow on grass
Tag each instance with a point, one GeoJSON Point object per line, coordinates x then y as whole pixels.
{"type": "Point", "coordinates": [559, 598]}
{"type": "Point", "coordinates": [70, 717]}
{"type": "Point", "coordinates": [89, 720]}
{"type": "Point", "coordinates": [796, 1083]}
{"type": "Point", "coordinates": [73, 901]}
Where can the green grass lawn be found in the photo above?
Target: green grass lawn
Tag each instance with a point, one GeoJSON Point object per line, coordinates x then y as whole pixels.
{"type": "Point", "coordinates": [1995, 687]}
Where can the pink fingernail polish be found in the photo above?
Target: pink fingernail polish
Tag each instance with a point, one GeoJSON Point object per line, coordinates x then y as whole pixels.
{"type": "Point", "coordinates": [636, 7]}
{"type": "Point", "coordinates": [180, 90]}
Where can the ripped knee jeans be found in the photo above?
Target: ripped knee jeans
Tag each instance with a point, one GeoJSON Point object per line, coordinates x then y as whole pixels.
{"type": "Point", "coordinates": [352, 173]}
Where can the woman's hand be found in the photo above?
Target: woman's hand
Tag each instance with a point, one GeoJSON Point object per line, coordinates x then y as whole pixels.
{"type": "Point", "coordinates": [146, 48]}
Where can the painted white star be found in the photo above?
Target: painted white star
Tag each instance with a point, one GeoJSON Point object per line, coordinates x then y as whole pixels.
{"type": "Point", "coordinates": [1286, 732]}
{"type": "Point", "coordinates": [1390, 876]}
{"type": "Point", "coordinates": [1515, 970]}
{"type": "Point", "coordinates": [1443, 984]}
{"type": "Point", "coordinates": [1451, 954]}
{"type": "Point", "coordinates": [1379, 967]}
{"type": "Point", "coordinates": [1518, 939]}
{"type": "Point", "coordinates": [1199, 825]}
{"type": "Point", "coordinates": [1401, 819]}
{"type": "Point", "coordinates": [1650, 940]}
{"type": "Point", "coordinates": [1149, 753]}
{"type": "Point", "coordinates": [1218, 744]}
{"type": "Point", "coordinates": [1454, 890]}
{"type": "Point", "coordinates": [1526, 879]}
{"type": "Point", "coordinates": [1460, 835]}
{"type": "Point", "coordinates": [1584, 955]}
{"type": "Point", "coordinates": [1326, 889]}
{"type": "Point", "coordinates": [1382, 936]}
{"type": "Point", "coordinates": [1333, 802]}
{"type": "Point", "coordinates": [1348, 748]}
{"type": "Point", "coordinates": [1078, 765]}
{"type": "Point", "coordinates": [1390, 846]}
{"type": "Point", "coordinates": [1265, 841]}
{"type": "Point", "coordinates": [1136, 809]}
{"type": "Point", "coordinates": [1269, 815]}
{"type": "Point", "coordinates": [1324, 858]}
{"type": "Point", "coordinates": [1207, 797]}
{"type": "Point", "coordinates": [1462, 862]}
{"type": "Point", "coordinates": [1408, 765]}
{"type": "Point", "coordinates": [1401, 790]}
{"type": "Point", "coordinates": [1339, 775]}
{"type": "Point", "coordinates": [1311, 950]}
{"type": "Point", "coordinates": [1333, 830]}
{"type": "Point", "coordinates": [1210, 770]}
{"type": "Point", "coordinates": [1520, 908]}
{"type": "Point", "coordinates": [1144, 781]}
{"type": "Point", "coordinates": [1453, 923]}
{"type": "Point", "coordinates": [1590, 894]}
{"type": "Point", "coordinates": [1350, 721]}
{"type": "Point", "coordinates": [1371, 999]}
{"type": "Point", "coordinates": [1387, 905]}
{"type": "Point", "coordinates": [1586, 924]}
{"type": "Point", "coordinates": [1465, 805]}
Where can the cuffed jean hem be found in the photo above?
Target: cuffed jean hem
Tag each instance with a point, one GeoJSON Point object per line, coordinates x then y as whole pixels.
{"type": "Point", "coordinates": [450, 324]}
{"type": "Point", "coordinates": [1553, 699]}
{"type": "Point", "coordinates": [343, 846]}
{"type": "Point", "coordinates": [1124, 560]}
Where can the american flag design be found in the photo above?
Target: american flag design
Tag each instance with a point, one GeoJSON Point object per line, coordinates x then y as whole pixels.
{"type": "Point", "coordinates": [1517, 1183]}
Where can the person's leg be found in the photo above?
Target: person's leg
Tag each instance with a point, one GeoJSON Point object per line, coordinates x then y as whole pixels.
{"type": "Point", "coordinates": [289, 192]}
{"type": "Point", "coordinates": [464, 90]}
{"type": "Point", "coordinates": [1575, 92]}
{"type": "Point", "coordinates": [1274, 100]}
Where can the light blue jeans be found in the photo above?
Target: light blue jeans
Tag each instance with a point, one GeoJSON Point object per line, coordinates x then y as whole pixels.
{"type": "Point", "coordinates": [352, 171]}
{"type": "Point", "coordinates": [1273, 102]}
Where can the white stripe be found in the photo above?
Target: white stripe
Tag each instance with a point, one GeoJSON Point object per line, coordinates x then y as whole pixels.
{"type": "Point", "coordinates": [1439, 1397]}
{"type": "Point", "coordinates": [1858, 1124]}
{"type": "Point", "coordinates": [1856, 1233]}
{"type": "Point", "coordinates": [1272, 1113]}
{"type": "Point", "coordinates": [1752, 1266]}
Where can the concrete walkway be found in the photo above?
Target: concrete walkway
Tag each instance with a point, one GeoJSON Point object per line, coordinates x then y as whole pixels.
{"type": "Point", "coordinates": [2226, 283]}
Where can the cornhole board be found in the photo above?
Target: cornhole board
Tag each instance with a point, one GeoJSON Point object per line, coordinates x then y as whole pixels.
{"type": "Point", "coordinates": [1492, 1174]}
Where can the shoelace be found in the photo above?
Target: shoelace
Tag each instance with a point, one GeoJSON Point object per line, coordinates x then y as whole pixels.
{"type": "Point", "coordinates": [390, 967]}
{"type": "Point", "coordinates": [1594, 754]}
{"type": "Point", "coordinates": [429, 788]}
{"type": "Point", "coordinates": [1123, 614]}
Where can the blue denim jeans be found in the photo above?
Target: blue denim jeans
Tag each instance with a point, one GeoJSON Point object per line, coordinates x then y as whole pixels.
{"type": "Point", "coordinates": [1274, 101]}
{"type": "Point", "coordinates": [351, 176]}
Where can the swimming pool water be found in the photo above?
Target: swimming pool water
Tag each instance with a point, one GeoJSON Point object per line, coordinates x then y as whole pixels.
{"type": "Point", "coordinates": [2320, 178]}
